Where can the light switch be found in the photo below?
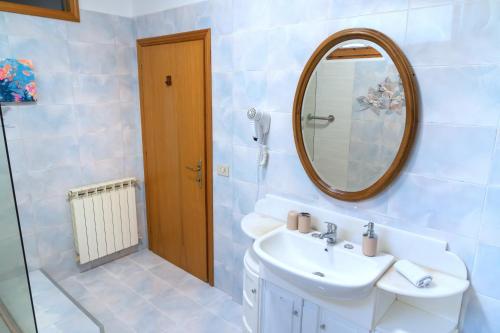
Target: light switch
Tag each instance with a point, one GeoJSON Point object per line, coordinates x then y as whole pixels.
{"type": "Point", "coordinates": [223, 170]}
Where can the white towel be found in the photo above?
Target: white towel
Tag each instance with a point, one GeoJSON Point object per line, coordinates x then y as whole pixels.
{"type": "Point", "coordinates": [413, 273]}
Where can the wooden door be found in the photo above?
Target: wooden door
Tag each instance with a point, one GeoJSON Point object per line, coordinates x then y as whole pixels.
{"type": "Point", "coordinates": [176, 141]}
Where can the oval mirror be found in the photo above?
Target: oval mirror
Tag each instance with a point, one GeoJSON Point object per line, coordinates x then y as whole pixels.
{"type": "Point", "coordinates": [355, 114]}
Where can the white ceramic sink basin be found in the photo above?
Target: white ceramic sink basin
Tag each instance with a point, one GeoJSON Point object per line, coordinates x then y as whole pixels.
{"type": "Point", "coordinates": [337, 273]}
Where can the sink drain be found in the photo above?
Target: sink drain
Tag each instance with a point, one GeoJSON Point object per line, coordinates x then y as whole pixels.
{"type": "Point", "coordinates": [319, 274]}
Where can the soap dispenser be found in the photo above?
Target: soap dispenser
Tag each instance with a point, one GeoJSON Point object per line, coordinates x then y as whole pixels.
{"type": "Point", "coordinates": [370, 241]}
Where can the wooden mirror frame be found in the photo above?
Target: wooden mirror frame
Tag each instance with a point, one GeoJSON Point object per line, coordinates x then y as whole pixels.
{"type": "Point", "coordinates": [410, 91]}
{"type": "Point", "coordinates": [73, 14]}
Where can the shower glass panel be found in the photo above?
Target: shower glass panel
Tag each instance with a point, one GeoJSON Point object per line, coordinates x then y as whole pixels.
{"type": "Point", "coordinates": [16, 307]}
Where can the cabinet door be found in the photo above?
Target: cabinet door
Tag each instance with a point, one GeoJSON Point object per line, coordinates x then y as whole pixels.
{"type": "Point", "coordinates": [281, 310]}
{"type": "Point", "coordinates": [329, 322]}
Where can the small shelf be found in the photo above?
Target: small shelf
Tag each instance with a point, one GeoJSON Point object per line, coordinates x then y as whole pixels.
{"type": "Point", "coordinates": [256, 225]}
{"type": "Point", "coordinates": [443, 285]}
{"type": "Point", "coordinates": [402, 317]}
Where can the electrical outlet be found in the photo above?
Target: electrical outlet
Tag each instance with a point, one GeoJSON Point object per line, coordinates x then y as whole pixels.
{"type": "Point", "coordinates": [223, 170]}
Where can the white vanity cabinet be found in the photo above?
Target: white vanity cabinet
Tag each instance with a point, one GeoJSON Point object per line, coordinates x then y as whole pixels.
{"type": "Point", "coordinates": [319, 320]}
{"type": "Point", "coordinates": [281, 310]}
{"type": "Point", "coordinates": [285, 312]}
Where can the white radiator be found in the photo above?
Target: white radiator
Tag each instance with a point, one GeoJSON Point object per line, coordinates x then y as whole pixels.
{"type": "Point", "coordinates": [104, 218]}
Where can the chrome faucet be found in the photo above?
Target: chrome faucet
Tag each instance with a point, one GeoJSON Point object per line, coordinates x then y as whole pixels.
{"type": "Point", "coordinates": [330, 234]}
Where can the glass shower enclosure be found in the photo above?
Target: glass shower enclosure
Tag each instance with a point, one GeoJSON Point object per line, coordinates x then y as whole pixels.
{"type": "Point", "coordinates": [16, 306]}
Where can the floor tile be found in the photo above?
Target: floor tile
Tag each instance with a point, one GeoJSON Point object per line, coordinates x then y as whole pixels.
{"type": "Point", "coordinates": [144, 293]}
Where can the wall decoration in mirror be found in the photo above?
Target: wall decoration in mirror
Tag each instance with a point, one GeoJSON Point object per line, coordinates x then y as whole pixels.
{"type": "Point", "coordinates": [58, 9]}
{"type": "Point", "coordinates": [17, 81]}
{"type": "Point", "coordinates": [355, 114]}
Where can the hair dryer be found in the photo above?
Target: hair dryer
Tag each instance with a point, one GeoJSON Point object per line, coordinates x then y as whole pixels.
{"type": "Point", "coordinates": [261, 122]}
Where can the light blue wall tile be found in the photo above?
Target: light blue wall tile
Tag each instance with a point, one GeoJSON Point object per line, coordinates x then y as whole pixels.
{"type": "Point", "coordinates": [54, 88]}
{"type": "Point", "coordinates": [128, 88]}
{"type": "Point", "coordinates": [133, 167]}
{"type": "Point", "coordinates": [349, 8]}
{"type": "Point", "coordinates": [55, 181]}
{"type": "Point", "coordinates": [33, 26]}
{"type": "Point", "coordinates": [17, 156]}
{"type": "Point", "coordinates": [126, 60]}
{"type": "Point", "coordinates": [243, 129]}
{"type": "Point", "coordinates": [223, 191]}
{"type": "Point", "coordinates": [285, 175]}
{"type": "Point", "coordinates": [222, 18]}
{"type": "Point", "coordinates": [192, 17]}
{"type": "Point", "coordinates": [93, 28]}
{"type": "Point", "coordinates": [487, 271]}
{"type": "Point", "coordinates": [290, 47]}
{"type": "Point", "coordinates": [250, 50]}
{"type": "Point", "coordinates": [47, 153]}
{"type": "Point", "coordinates": [281, 133]}
{"type": "Point", "coordinates": [222, 122]}
{"type": "Point", "coordinates": [443, 35]}
{"type": "Point", "coordinates": [223, 248]}
{"type": "Point", "coordinates": [456, 153]}
{"type": "Point", "coordinates": [249, 89]}
{"type": "Point", "coordinates": [222, 54]}
{"type": "Point", "coordinates": [130, 114]}
{"type": "Point", "coordinates": [49, 121]}
{"type": "Point", "coordinates": [156, 24]}
{"type": "Point", "coordinates": [98, 117]}
{"type": "Point", "coordinates": [245, 163]}
{"type": "Point", "coordinates": [490, 222]}
{"type": "Point", "coordinates": [442, 205]}
{"type": "Point", "coordinates": [50, 213]}
{"type": "Point", "coordinates": [124, 30]}
{"type": "Point", "coordinates": [281, 86]}
{"type": "Point", "coordinates": [481, 315]}
{"type": "Point", "coordinates": [86, 58]}
{"type": "Point", "coordinates": [250, 14]}
{"type": "Point", "coordinates": [223, 221]}
{"type": "Point", "coordinates": [391, 24]}
{"type": "Point", "coordinates": [244, 197]}
{"type": "Point", "coordinates": [441, 87]}
{"type": "Point", "coordinates": [222, 152]}
{"type": "Point", "coordinates": [42, 51]}
{"type": "Point", "coordinates": [4, 46]}
{"type": "Point", "coordinates": [222, 90]}
{"type": "Point", "coordinates": [96, 89]}
{"type": "Point", "coordinates": [101, 145]}
{"type": "Point", "coordinates": [495, 169]}
{"type": "Point", "coordinates": [103, 170]}
{"type": "Point", "coordinates": [132, 142]}
{"type": "Point", "coordinates": [283, 12]}
{"type": "Point", "coordinates": [223, 277]}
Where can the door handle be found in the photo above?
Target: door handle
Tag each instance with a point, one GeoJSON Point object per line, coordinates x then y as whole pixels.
{"type": "Point", "coordinates": [199, 174]}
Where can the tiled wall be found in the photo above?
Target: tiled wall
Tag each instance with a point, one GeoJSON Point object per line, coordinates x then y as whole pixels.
{"type": "Point", "coordinates": [85, 128]}
{"type": "Point", "coordinates": [451, 186]}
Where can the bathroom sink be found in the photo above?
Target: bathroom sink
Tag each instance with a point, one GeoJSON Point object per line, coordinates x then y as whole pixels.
{"type": "Point", "coordinates": [338, 271]}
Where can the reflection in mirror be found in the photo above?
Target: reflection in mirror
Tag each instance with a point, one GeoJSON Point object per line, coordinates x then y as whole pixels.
{"type": "Point", "coordinates": [49, 4]}
{"type": "Point", "coordinates": [353, 115]}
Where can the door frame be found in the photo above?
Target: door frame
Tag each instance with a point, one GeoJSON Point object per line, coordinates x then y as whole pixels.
{"type": "Point", "coordinates": [203, 35]}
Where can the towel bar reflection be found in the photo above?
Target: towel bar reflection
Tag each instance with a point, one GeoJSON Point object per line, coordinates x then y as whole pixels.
{"type": "Point", "coordinates": [329, 118]}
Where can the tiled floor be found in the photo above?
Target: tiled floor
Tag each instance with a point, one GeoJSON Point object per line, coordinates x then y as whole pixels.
{"type": "Point", "coordinates": [56, 313]}
{"type": "Point", "coordinates": [144, 293]}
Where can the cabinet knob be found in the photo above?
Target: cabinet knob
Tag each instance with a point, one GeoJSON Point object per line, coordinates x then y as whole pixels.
{"type": "Point", "coordinates": [254, 291]}
{"type": "Point", "coordinates": [295, 313]}
{"type": "Point", "coordinates": [322, 326]}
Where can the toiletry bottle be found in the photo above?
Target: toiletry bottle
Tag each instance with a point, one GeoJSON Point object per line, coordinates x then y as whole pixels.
{"type": "Point", "coordinates": [304, 223]}
{"type": "Point", "coordinates": [370, 241]}
{"type": "Point", "coordinates": [292, 222]}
